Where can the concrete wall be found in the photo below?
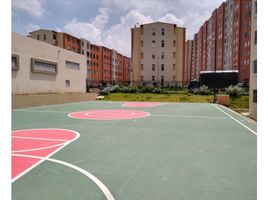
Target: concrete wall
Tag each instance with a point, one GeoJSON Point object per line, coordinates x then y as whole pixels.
{"type": "Point", "coordinates": [253, 76]}
{"type": "Point", "coordinates": [24, 81]}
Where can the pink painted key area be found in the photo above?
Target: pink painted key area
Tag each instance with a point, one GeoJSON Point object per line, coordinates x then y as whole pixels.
{"type": "Point", "coordinates": [142, 104]}
{"type": "Point", "coordinates": [36, 142]}
{"type": "Point", "coordinates": [109, 114]}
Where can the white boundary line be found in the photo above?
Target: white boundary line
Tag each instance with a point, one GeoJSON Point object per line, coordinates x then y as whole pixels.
{"type": "Point", "coordinates": [39, 162]}
{"type": "Point", "coordinates": [159, 104]}
{"type": "Point", "coordinates": [102, 187]}
{"type": "Point", "coordinates": [235, 119]}
{"type": "Point", "coordinates": [40, 111]}
{"type": "Point", "coordinates": [37, 138]}
{"type": "Point", "coordinates": [189, 116]}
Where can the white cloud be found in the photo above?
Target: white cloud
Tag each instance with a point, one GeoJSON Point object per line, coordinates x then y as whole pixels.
{"type": "Point", "coordinates": [32, 7]}
{"type": "Point", "coordinates": [170, 18]}
{"type": "Point", "coordinates": [84, 29]}
{"type": "Point", "coordinates": [32, 27]}
{"type": "Point", "coordinates": [101, 18]}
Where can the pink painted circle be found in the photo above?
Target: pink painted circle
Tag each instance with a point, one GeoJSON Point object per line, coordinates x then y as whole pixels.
{"type": "Point", "coordinates": [109, 114]}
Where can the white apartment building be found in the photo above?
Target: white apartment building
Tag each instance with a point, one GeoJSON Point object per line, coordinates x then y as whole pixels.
{"type": "Point", "coordinates": [39, 67]}
{"type": "Point", "coordinates": [157, 54]}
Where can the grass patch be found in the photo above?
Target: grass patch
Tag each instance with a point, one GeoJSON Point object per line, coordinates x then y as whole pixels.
{"type": "Point", "coordinates": [176, 96]}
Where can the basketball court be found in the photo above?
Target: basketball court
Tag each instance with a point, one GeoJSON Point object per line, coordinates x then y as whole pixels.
{"type": "Point", "coordinates": [105, 150]}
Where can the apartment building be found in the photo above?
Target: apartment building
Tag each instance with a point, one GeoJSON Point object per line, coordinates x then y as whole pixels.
{"type": "Point", "coordinates": [95, 65]}
{"type": "Point", "coordinates": [157, 51]}
{"type": "Point", "coordinates": [253, 63]}
{"type": "Point", "coordinates": [245, 38]}
{"type": "Point", "coordinates": [187, 62]}
{"type": "Point", "coordinates": [220, 37]}
{"type": "Point", "coordinates": [85, 50]}
{"type": "Point", "coordinates": [228, 36]}
{"type": "Point", "coordinates": [226, 40]}
{"type": "Point", "coordinates": [126, 70]}
{"type": "Point", "coordinates": [106, 63]}
{"type": "Point", "coordinates": [59, 39]}
{"type": "Point", "coordinates": [38, 67]}
{"type": "Point", "coordinates": [103, 64]}
{"type": "Point", "coordinates": [120, 68]}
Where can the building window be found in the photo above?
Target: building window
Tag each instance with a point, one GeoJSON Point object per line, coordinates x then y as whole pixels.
{"type": "Point", "coordinates": [153, 43]}
{"type": "Point", "coordinates": [15, 62]}
{"type": "Point", "coordinates": [88, 54]}
{"type": "Point", "coordinates": [153, 79]}
{"type": "Point", "coordinates": [38, 37]}
{"type": "Point", "coordinates": [68, 38]}
{"type": "Point", "coordinates": [162, 31]}
{"type": "Point", "coordinates": [255, 37]}
{"type": "Point", "coordinates": [153, 67]}
{"type": "Point", "coordinates": [142, 78]}
{"type": "Point", "coordinates": [72, 65]}
{"type": "Point", "coordinates": [45, 37]}
{"type": "Point", "coordinates": [255, 67]}
{"type": "Point", "coordinates": [174, 43]}
{"type": "Point", "coordinates": [254, 96]}
{"type": "Point", "coordinates": [153, 56]}
{"type": "Point", "coordinates": [174, 67]}
{"type": "Point", "coordinates": [174, 54]}
{"type": "Point", "coordinates": [162, 55]}
{"type": "Point", "coordinates": [54, 37]}
{"type": "Point", "coordinates": [162, 67]}
{"type": "Point", "coordinates": [88, 63]}
{"type": "Point", "coordinates": [42, 66]}
{"type": "Point", "coordinates": [141, 55]}
{"type": "Point", "coordinates": [162, 78]}
{"type": "Point", "coordinates": [67, 83]}
{"type": "Point", "coordinates": [162, 43]}
{"type": "Point", "coordinates": [141, 66]}
{"type": "Point", "coordinates": [142, 43]}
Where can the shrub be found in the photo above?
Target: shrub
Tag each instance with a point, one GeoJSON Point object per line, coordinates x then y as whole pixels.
{"type": "Point", "coordinates": [203, 90]}
{"type": "Point", "coordinates": [234, 91]}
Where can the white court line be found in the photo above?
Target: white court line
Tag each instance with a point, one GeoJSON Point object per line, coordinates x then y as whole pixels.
{"type": "Point", "coordinates": [39, 162]}
{"type": "Point", "coordinates": [189, 116]}
{"type": "Point", "coordinates": [37, 138]}
{"type": "Point", "coordinates": [40, 111]}
{"type": "Point", "coordinates": [235, 119]}
{"type": "Point", "coordinates": [37, 149]}
{"type": "Point", "coordinates": [102, 187]}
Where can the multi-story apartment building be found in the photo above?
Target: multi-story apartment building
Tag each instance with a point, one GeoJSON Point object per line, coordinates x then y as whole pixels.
{"type": "Point", "coordinates": [204, 45]}
{"type": "Point", "coordinates": [220, 37]}
{"type": "Point", "coordinates": [226, 40]}
{"type": "Point", "coordinates": [126, 70]}
{"type": "Point", "coordinates": [228, 35]}
{"type": "Point", "coordinates": [106, 63]}
{"type": "Point", "coordinates": [95, 63]}
{"type": "Point", "coordinates": [120, 68]}
{"type": "Point", "coordinates": [253, 63]}
{"type": "Point", "coordinates": [60, 39]}
{"type": "Point", "coordinates": [199, 52]}
{"type": "Point", "coordinates": [157, 51]}
{"type": "Point", "coordinates": [85, 50]}
{"type": "Point", "coordinates": [103, 64]}
{"type": "Point", "coordinates": [193, 63]}
{"type": "Point", "coordinates": [245, 23]}
{"type": "Point", "coordinates": [187, 62]}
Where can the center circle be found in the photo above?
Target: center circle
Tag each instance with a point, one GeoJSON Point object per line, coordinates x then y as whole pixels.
{"type": "Point", "coordinates": [109, 114]}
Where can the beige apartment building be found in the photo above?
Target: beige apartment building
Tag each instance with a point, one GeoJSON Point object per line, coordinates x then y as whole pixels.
{"type": "Point", "coordinates": [38, 67]}
{"type": "Point", "coordinates": [253, 63]}
{"type": "Point", "coordinates": [157, 53]}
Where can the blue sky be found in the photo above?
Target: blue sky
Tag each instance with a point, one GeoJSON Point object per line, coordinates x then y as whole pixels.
{"type": "Point", "coordinates": [108, 22]}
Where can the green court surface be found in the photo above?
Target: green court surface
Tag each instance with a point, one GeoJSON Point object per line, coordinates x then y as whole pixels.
{"type": "Point", "coordinates": [181, 151]}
